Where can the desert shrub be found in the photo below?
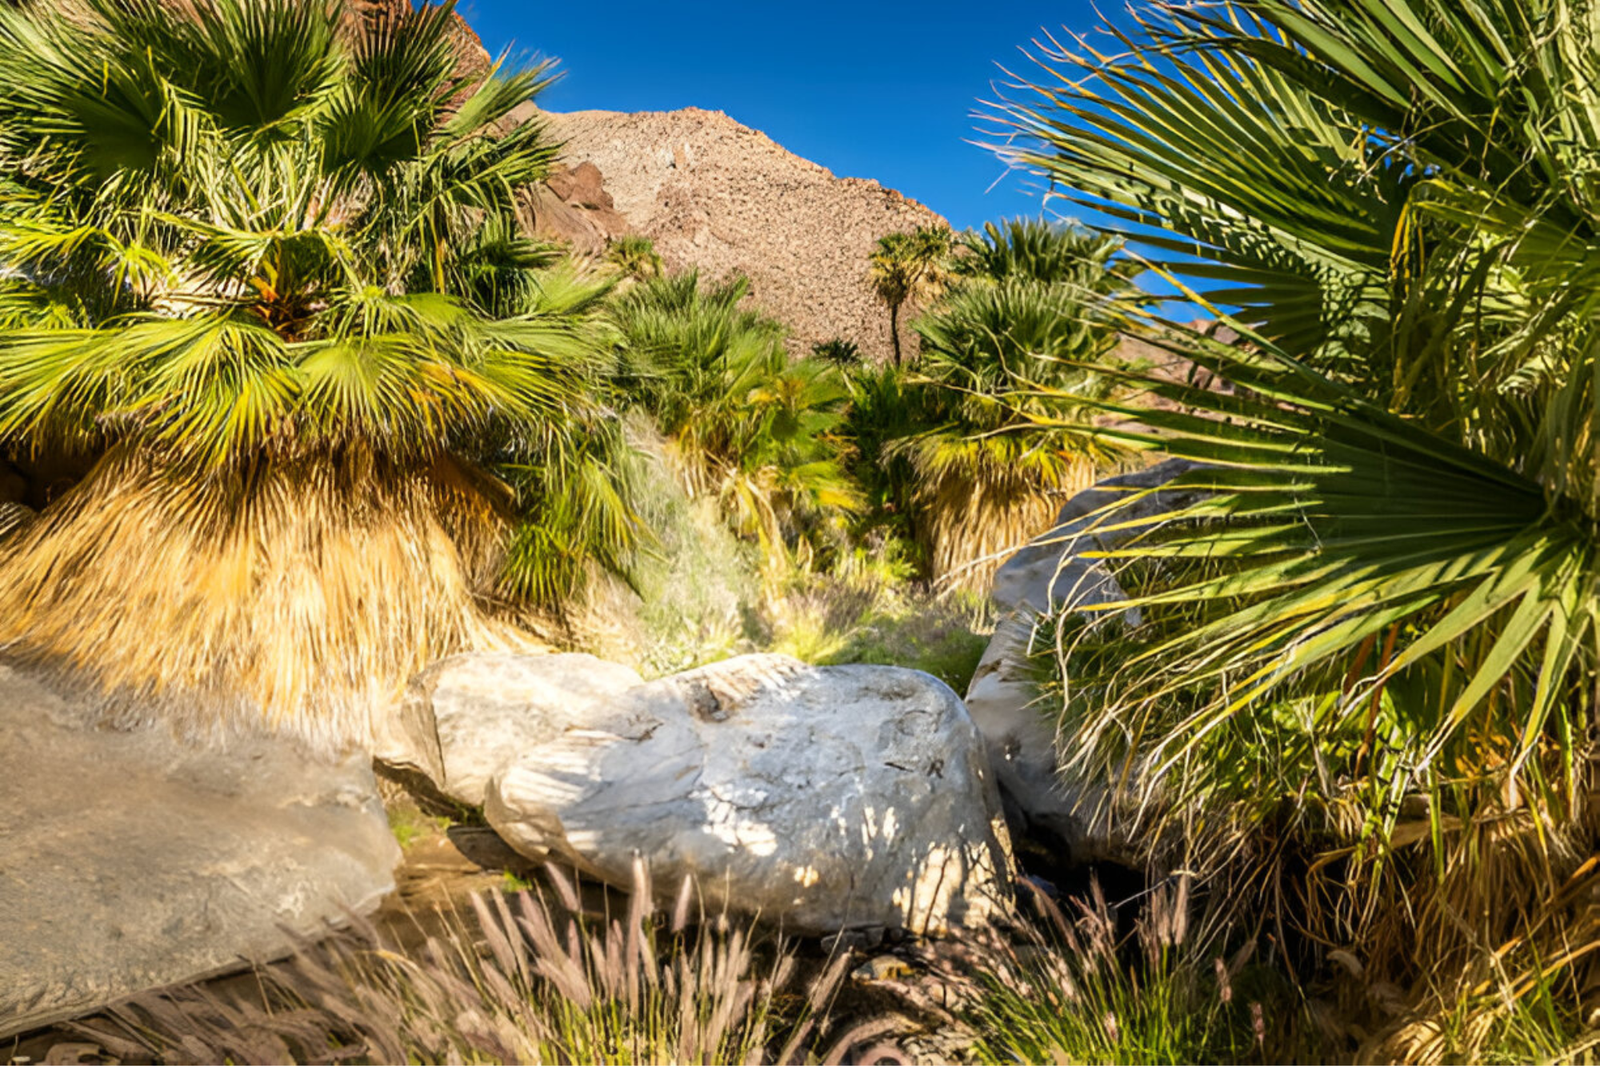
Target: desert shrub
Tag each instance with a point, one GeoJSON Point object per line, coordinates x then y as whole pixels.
{"type": "Point", "coordinates": [691, 593]}
{"type": "Point", "coordinates": [866, 610]}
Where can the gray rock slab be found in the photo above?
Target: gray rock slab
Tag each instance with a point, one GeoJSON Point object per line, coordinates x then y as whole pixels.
{"type": "Point", "coordinates": [128, 861]}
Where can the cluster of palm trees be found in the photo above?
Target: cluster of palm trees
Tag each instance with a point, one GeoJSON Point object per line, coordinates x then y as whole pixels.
{"type": "Point", "coordinates": [1370, 655]}
{"type": "Point", "coordinates": [976, 444]}
{"type": "Point", "coordinates": [262, 267]}
{"type": "Point", "coordinates": [262, 274]}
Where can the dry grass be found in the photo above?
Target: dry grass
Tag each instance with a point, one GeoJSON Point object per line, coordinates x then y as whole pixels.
{"type": "Point", "coordinates": [298, 603]}
{"type": "Point", "coordinates": [1088, 985]}
{"type": "Point", "coordinates": [519, 980]}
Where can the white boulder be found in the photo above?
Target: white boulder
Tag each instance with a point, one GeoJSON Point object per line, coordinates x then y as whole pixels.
{"type": "Point", "coordinates": [819, 798]}
{"type": "Point", "coordinates": [465, 717]}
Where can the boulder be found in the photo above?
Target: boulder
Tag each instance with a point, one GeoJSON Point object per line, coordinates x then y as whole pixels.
{"type": "Point", "coordinates": [129, 861]}
{"type": "Point", "coordinates": [819, 798]}
{"type": "Point", "coordinates": [1047, 577]}
{"type": "Point", "coordinates": [465, 717]}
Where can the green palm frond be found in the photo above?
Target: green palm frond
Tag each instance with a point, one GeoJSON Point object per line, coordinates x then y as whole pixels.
{"type": "Point", "coordinates": [1225, 170]}
{"type": "Point", "coordinates": [995, 458]}
{"type": "Point", "coordinates": [1035, 250]}
{"type": "Point", "coordinates": [753, 426]}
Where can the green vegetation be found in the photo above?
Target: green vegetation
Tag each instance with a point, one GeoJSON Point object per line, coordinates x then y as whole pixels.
{"type": "Point", "coordinates": [1013, 360]}
{"type": "Point", "coordinates": [268, 279]}
{"type": "Point", "coordinates": [1360, 696]}
{"type": "Point", "coordinates": [410, 825]}
{"type": "Point", "coordinates": [750, 426]}
{"type": "Point", "coordinates": [908, 268]}
{"type": "Point", "coordinates": [635, 256]}
{"type": "Point", "coordinates": [261, 273]}
{"type": "Point", "coordinates": [1077, 990]}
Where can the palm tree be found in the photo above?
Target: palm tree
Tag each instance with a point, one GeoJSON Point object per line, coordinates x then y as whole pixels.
{"type": "Point", "coordinates": [907, 267]}
{"type": "Point", "coordinates": [1009, 374]}
{"type": "Point", "coordinates": [635, 256]}
{"type": "Point", "coordinates": [264, 273]}
{"type": "Point", "coordinates": [1031, 249]}
{"type": "Point", "coordinates": [1389, 600]}
{"type": "Point", "coordinates": [750, 425]}
{"type": "Point", "coordinates": [838, 351]}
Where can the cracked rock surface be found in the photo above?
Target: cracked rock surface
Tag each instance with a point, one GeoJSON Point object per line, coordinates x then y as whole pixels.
{"type": "Point", "coordinates": [817, 798]}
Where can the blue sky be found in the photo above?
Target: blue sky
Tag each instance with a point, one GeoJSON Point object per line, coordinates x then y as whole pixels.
{"type": "Point", "coordinates": [868, 89]}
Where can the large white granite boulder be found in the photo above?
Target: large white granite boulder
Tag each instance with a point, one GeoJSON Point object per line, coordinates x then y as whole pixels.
{"type": "Point", "coordinates": [465, 717]}
{"type": "Point", "coordinates": [1049, 577]}
{"type": "Point", "coordinates": [818, 798]}
{"type": "Point", "coordinates": [129, 861]}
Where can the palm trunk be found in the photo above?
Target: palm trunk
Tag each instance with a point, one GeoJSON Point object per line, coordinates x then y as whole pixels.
{"type": "Point", "coordinates": [894, 332]}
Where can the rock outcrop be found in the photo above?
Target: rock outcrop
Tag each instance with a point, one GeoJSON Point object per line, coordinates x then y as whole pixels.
{"type": "Point", "coordinates": [572, 205]}
{"type": "Point", "coordinates": [819, 799]}
{"type": "Point", "coordinates": [1050, 576]}
{"type": "Point", "coordinates": [128, 862]}
{"type": "Point", "coordinates": [466, 717]}
{"type": "Point", "coordinates": [717, 195]}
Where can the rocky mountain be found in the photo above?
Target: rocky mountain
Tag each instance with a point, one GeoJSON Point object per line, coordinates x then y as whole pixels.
{"type": "Point", "coordinates": [715, 194]}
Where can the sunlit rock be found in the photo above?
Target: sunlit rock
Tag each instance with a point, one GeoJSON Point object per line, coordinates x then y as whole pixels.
{"type": "Point", "coordinates": [818, 798]}
{"type": "Point", "coordinates": [1052, 576]}
{"type": "Point", "coordinates": [465, 717]}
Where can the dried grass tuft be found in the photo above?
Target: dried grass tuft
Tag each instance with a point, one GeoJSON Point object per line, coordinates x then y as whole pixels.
{"type": "Point", "coordinates": [517, 980]}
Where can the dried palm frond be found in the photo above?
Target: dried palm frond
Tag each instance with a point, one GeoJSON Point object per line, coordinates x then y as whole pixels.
{"type": "Point", "coordinates": [298, 602]}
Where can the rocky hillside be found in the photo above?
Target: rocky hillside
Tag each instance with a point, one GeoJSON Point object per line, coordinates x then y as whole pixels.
{"type": "Point", "coordinates": [715, 194]}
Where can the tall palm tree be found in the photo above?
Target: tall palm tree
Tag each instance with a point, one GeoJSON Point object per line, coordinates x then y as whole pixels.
{"type": "Point", "coordinates": [1399, 582]}
{"type": "Point", "coordinates": [907, 267]}
{"type": "Point", "coordinates": [264, 273]}
{"type": "Point", "coordinates": [1011, 366]}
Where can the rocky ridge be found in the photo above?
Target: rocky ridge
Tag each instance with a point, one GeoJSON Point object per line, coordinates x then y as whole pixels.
{"type": "Point", "coordinates": [715, 194]}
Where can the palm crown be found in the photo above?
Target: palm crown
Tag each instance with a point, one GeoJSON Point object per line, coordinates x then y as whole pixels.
{"type": "Point", "coordinates": [259, 252]}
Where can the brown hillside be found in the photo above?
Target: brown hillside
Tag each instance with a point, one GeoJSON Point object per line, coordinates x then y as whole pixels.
{"type": "Point", "coordinates": [715, 194]}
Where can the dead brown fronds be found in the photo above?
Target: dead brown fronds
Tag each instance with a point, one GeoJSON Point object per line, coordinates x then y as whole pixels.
{"type": "Point", "coordinates": [296, 600]}
{"type": "Point", "coordinates": [977, 514]}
